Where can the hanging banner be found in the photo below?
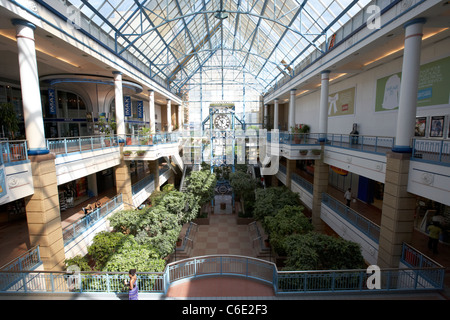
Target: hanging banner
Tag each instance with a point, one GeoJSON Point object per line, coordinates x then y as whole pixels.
{"type": "Point", "coordinates": [341, 103]}
{"type": "Point", "coordinates": [433, 87]}
{"type": "Point", "coordinates": [339, 171]}
{"type": "Point", "coordinates": [51, 101]}
{"type": "Point", "coordinates": [127, 106]}
{"type": "Point", "coordinates": [140, 109]}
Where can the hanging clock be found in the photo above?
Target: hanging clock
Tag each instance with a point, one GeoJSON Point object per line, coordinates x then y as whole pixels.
{"type": "Point", "coordinates": [222, 122]}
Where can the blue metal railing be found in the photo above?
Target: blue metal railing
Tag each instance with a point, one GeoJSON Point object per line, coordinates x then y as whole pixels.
{"type": "Point", "coordinates": [404, 279]}
{"type": "Point", "coordinates": [78, 227]}
{"type": "Point", "coordinates": [374, 144]}
{"type": "Point", "coordinates": [152, 139]}
{"type": "Point", "coordinates": [308, 186]}
{"type": "Point", "coordinates": [26, 261]}
{"type": "Point", "coordinates": [141, 184]}
{"type": "Point", "coordinates": [79, 144]}
{"type": "Point", "coordinates": [364, 225]}
{"type": "Point", "coordinates": [13, 150]}
{"type": "Point", "coordinates": [431, 150]}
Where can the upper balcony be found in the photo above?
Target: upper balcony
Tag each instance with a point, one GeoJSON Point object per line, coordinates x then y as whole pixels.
{"type": "Point", "coordinates": [16, 179]}
{"type": "Point", "coordinates": [429, 169]}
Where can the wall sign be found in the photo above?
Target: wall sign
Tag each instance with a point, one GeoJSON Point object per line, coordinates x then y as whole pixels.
{"type": "Point", "coordinates": [127, 106]}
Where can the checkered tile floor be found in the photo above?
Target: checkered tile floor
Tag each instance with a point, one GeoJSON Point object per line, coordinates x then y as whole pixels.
{"type": "Point", "coordinates": [222, 236]}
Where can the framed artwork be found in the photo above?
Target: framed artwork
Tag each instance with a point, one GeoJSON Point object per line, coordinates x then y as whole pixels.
{"type": "Point", "coordinates": [421, 126]}
{"type": "Point", "coordinates": [437, 127]}
{"type": "Point", "coordinates": [448, 135]}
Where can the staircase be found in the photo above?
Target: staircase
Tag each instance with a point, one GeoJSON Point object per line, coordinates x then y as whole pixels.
{"type": "Point", "coordinates": [257, 237]}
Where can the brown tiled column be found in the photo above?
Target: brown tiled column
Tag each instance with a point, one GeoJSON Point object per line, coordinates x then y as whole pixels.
{"type": "Point", "coordinates": [290, 168]}
{"type": "Point", "coordinates": [397, 220]}
{"type": "Point", "coordinates": [154, 168]}
{"type": "Point", "coordinates": [43, 214]}
{"type": "Point", "coordinates": [321, 171]}
{"type": "Point", "coordinates": [123, 181]}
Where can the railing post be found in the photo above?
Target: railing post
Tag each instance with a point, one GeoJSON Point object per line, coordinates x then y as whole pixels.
{"type": "Point", "coordinates": [65, 145]}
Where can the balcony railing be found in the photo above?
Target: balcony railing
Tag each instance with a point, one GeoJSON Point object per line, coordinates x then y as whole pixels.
{"type": "Point", "coordinates": [13, 151]}
{"type": "Point", "coordinates": [431, 150]}
{"type": "Point", "coordinates": [374, 144]}
{"type": "Point", "coordinates": [79, 144]}
{"type": "Point", "coordinates": [152, 139]}
{"type": "Point", "coordinates": [364, 225]}
{"type": "Point", "coordinates": [26, 261]}
{"type": "Point", "coordinates": [78, 227]}
{"type": "Point", "coordinates": [404, 279]}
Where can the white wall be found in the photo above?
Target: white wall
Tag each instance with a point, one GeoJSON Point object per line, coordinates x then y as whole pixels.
{"type": "Point", "coordinates": [369, 121]}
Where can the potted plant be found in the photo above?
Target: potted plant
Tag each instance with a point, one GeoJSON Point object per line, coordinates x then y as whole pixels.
{"type": "Point", "coordinates": [127, 153]}
{"type": "Point", "coordinates": [140, 153]}
{"type": "Point", "coordinates": [304, 152]}
{"type": "Point", "coordinates": [179, 242]}
{"type": "Point", "coordinates": [316, 152]}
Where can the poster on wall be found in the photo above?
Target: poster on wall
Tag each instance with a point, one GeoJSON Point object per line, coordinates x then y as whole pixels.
{"type": "Point", "coordinates": [341, 103]}
{"type": "Point", "coordinates": [433, 87]}
{"type": "Point", "coordinates": [421, 127]}
{"type": "Point", "coordinates": [140, 109]}
{"type": "Point", "coordinates": [437, 127]}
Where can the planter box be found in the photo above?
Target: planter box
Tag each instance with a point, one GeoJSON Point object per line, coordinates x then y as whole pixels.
{"type": "Point", "coordinates": [244, 221]}
{"type": "Point", "coordinates": [201, 221]}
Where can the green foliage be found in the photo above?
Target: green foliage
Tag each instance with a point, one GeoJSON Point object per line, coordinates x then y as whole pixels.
{"type": "Point", "coordinates": [104, 245]}
{"type": "Point", "coordinates": [201, 184]}
{"type": "Point", "coordinates": [79, 261]}
{"type": "Point", "coordinates": [288, 220]}
{"type": "Point", "coordinates": [315, 251]}
{"type": "Point", "coordinates": [242, 183]}
{"type": "Point", "coordinates": [127, 221]}
{"type": "Point", "coordinates": [8, 119]}
{"type": "Point", "coordinates": [269, 201]}
{"type": "Point", "coordinates": [132, 255]}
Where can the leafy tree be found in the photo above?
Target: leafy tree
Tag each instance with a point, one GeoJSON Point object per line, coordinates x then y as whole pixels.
{"type": "Point", "coordinates": [269, 201]}
{"type": "Point", "coordinates": [132, 255]}
{"type": "Point", "coordinates": [104, 245]}
{"type": "Point", "coordinates": [316, 251]}
{"type": "Point", "coordinates": [8, 120]}
{"type": "Point", "coordinates": [79, 261]}
{"type": "Point", "coordinates": [201, 184]}
{"type": "Point", "coordinates": [288, 220]}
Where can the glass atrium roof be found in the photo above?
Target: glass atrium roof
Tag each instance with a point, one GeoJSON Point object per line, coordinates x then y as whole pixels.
{"type": "Point", "coordinates": [175, 39]}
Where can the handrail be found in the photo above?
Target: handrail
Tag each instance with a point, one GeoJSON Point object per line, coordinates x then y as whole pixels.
{"type": "Point", "coordinates": [71, 231]}
{"type": "Point", "coordinates": [369, 228]}
{"type": "Point", "coordinates": [394, 279]}
{"type": "Point", "coordinates": [25, 261]}
{"type": "Point", "coordinates": [431, 150]}
{"type": "Point", "coordinates": [13, 150]}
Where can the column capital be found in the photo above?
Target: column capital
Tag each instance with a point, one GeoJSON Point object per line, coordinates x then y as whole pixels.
{"type": "Point", "coordinates": [116, 72]}
{"type": "Point", "coordinates": [276, 99]}
{"type": "Point", "coordinates": [293, 91]}
{"type": "Point", "coordinates": [325, 72]}
{"type": "Point", "coordinates": [23, 23]}
{"type": "Point", "coordinates": [414, 21]}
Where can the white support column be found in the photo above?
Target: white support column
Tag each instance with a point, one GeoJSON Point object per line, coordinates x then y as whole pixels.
{"type": "Point", "coordinates": [151, 101]}
{"type": "Point", "coordinates": [275, 114]}
{"type": "Point", "coordinates": [180, 116]}
{"type": "Point", "coordinates": [120, 114]}
{"type": "Point", "coordinates": [291, 120]}
{"type": "Point", "coordinates": [29, 82]}
{"type": "Point", "coordinates": [266, 116]}
{"type": "Point", "coordinates": [169, 115]}
{"type": "Point", "coordinates": [409, 85]}
{"type": "Point", "coordinates": [323, 108]}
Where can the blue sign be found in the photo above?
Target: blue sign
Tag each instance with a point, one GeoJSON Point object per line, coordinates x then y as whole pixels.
{"type": "Point", "coordinates": [127, 106]}
{"type": "Point", "coordinates": [52, 101]}
{"type": "Point", "coordinates": [140, 109]}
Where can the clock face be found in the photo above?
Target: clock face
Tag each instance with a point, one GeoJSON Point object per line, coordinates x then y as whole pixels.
{"type": "Point", "coordinates": [222, 122]}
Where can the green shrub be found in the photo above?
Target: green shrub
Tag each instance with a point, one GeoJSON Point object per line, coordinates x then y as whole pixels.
{"type": "Point", "coordinates": [315, 251]}
{"type": "Point", "coordinates": [79, 261]}
{"type": "Point", "coordinates": [104, 245]}
{"type": "Point", "coordinates": [269, 201]}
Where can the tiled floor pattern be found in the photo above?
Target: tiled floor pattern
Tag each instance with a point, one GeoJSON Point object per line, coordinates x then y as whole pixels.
{"type": "Point", "coordinates": [222, 236]}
